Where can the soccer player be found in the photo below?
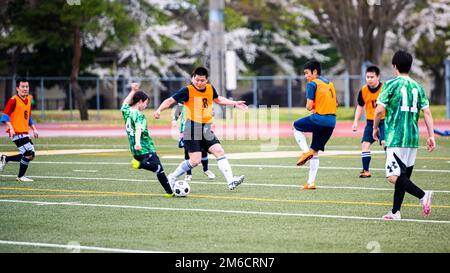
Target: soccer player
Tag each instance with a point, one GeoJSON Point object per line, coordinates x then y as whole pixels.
{"type": "Point", "coordinates": [198, 98]}
{"type": "Point", "coordinates": [368, 97]}
{"type": "Point", "coordinates": [141, 144]}
{"type": "Point", "coordinates": [181, 113]}
{"type": "Point", "coordinates": [321, 101]}
{"type": "Point", "coordinates": [402, 98]}
{"type": "Point", "coordinates": [18, 118]}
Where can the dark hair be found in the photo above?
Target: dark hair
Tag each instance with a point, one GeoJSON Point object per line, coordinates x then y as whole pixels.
{"type": "Point", "coordinates": [313, 65]}
{"type": "Point", "coordinates": [200, 71]}
{"type": "Point", "coordinates": [373, 69]}
{"type": "Point", "coordinates": [138, 96]}
{"type": "Point", "coordinates": [402, 61]}
{"type": "Point", "coordinates": [19, 80]}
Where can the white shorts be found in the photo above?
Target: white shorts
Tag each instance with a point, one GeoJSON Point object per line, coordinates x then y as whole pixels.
{"type": "Point", "coordinates": [398, 159]}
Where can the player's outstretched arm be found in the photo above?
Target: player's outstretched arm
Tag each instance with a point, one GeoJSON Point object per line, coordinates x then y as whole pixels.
{"type": "Point", "coordinates": [431, 142]}
{"type": "Point", "coordinates": [35, 131]}
{"type": "Point", "coordinates": [137, 139]}
{"type": "Point", "coordinates": [224, 101]}
{"type": "Point", "coordinates": [167, 103]}
{"type": "Point", "coordinates": [376, 120]}
{"type": "Point", "coordinates": [134, 89]}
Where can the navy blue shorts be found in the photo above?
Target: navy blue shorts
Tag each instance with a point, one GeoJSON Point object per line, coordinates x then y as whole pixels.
{"type": "Point", "coordinates": [368, 132]}
{"type": "Point", "coordinates": [320, 134]}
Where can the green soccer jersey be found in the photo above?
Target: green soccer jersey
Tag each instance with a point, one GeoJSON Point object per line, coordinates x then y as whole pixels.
{"type": "Point", "coordinates": [403, 99]}
{"type": "Point", "coordinates": [135, 119]}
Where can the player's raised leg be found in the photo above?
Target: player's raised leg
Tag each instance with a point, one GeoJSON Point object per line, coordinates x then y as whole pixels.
{"type": "Point", "coordinates": [299, 127]}
{"type": "Point", "coordinates": [152, 163]}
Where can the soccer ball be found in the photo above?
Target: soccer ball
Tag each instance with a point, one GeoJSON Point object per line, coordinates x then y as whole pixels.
{"type": "Point", "coordinates": [181, 188]}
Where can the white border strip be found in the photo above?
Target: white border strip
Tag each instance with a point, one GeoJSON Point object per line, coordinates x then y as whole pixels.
{"type": "Point", "coordinates": [70, 247]}
{"type": "Point", "coordinates": [211, 183]}
{"type": "Point", "coordinates": [229, 211]}
{"type": "Point", "coordinates": [234, 165]}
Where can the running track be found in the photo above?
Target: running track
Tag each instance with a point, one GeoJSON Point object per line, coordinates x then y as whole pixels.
{"type": "Point", "coordinates": [343, 129]}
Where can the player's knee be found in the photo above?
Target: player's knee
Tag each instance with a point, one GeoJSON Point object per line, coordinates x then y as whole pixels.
{"type": "Point", "coordinates": [392, 179]}
{"type": "Point", "coordinates": [194, 162]}
{"type": "Point", "coordinates": [365, 146]}
{"type": "Point", "coordinates": [218, 151]}
{"type": "Point", "coordinates": [30, 156]}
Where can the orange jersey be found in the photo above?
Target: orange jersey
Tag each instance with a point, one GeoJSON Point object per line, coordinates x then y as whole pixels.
{"type": "Point", "coordinates": [370, 101]}
{"type": "Point", "coordinates": [325, 102]}
{"type": "Point", "coordinates": [199, 107]}
{"type": "Point", "coordinates": [20, 117]}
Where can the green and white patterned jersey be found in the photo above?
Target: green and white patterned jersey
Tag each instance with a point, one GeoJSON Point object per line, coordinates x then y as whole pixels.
{"type": "Point", "coordinates": [403, 99]}
{"type": "Point", "coordinates": [135, 119]}
{"type": "Point", "coordinates": [182, 119]}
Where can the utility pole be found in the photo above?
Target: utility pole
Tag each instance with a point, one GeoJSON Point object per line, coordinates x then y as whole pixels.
{"type": "Point", "coordinates": [217, 47]}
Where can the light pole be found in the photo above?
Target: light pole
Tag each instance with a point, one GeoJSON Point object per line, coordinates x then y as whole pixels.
{"type": "Point", "coordinates": [217, 47]}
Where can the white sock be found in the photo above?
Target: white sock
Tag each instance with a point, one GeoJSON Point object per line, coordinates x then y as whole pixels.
{"type": "Point", "coordinates": [313, 167]}
{"type": "Point", "coordinates": [301, 140]}
{"type": "Point", "coordinates": [182, 168]}
{"type": "Point", "coordinates": [225, 168]}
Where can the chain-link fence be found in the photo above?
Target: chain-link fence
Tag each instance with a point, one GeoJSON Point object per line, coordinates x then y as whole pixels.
{"type": "Point", "coordinates": [55, 93]}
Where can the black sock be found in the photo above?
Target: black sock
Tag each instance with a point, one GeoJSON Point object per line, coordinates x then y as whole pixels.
{"type": "Point", "coordinates": [14, 158]}
{"type": "Point", "coordinates": [410, 187]}
{"type": "Point", "coordinates": [399, 195]}
{"type": "Point", "coordinates": [23, 166]}
{"type": "Point", "coordinates": [205, 160]}
{"type": "Point", "coordinates": [186, 157]}
{"type": "Point", "coordinates": [162, 178]}
{"type": "Point", "coordinates": [366, 157]}
{"type": "Point", "coordinates": [205, 165]}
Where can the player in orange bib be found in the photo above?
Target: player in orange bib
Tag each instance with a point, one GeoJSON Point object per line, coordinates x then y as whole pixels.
{"type": "Point", "coordinates": [198, 99]}
{"type": "Point", "coordinates": [17, 116]}
{"type": "Point", "coordinates": [367, 98]}
{"type": "Point", "coordinates": [322, 102]}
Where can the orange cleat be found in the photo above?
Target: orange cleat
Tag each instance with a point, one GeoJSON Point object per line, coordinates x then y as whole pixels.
{"type": "Point", "coordinates": [365, 174]}
{"type": "Point", "coordinates": [304, 158]}
{"type": "Point", "coordinates": [311, 186]}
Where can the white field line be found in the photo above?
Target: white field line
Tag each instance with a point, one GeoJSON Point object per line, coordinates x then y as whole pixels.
{"type": "Point", "coordinates": [233, 165]}
{"type": "Point", "coordinates": [230, 212]}
{"type": "Point", "coordinates": [209, 183]}
{"type": "Point", "coordinates": [71, 247]}
{"type": "Point", "coordinates": [85, 171]}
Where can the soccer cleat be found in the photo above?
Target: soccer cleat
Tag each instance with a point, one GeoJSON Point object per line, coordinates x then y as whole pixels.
{"type": "Point", "coordinates": [210, 174]}
{"type": "Point", "coordinates": [392, 216]}
{"type": "Point", "coordinates": [169, 195]}
{"type": "Point", "coordinates": [236, 182]}
{"type": "Point", "coordinates": [135, 164]}
{"type": "Point", "coordinates": [365, 174]}
{"type": "Point", "coordinates": [188, 178]}
{"type": "Point", "coordinates": [308, 186]}
{"type": "Point", "coordinates": [172, 180]}
{"type": "Point", "coordinates": [304, 158]}
{"type": "Point", "coordinates": [426, 203]}
{"type": "Point", "coordinates": [24, 179]}
{"type": "Point", "coordinates": [2, 162]}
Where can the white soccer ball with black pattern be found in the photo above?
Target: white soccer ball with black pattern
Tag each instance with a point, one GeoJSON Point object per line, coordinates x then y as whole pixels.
{"type": "Point", "coordinates": [181, 188]}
